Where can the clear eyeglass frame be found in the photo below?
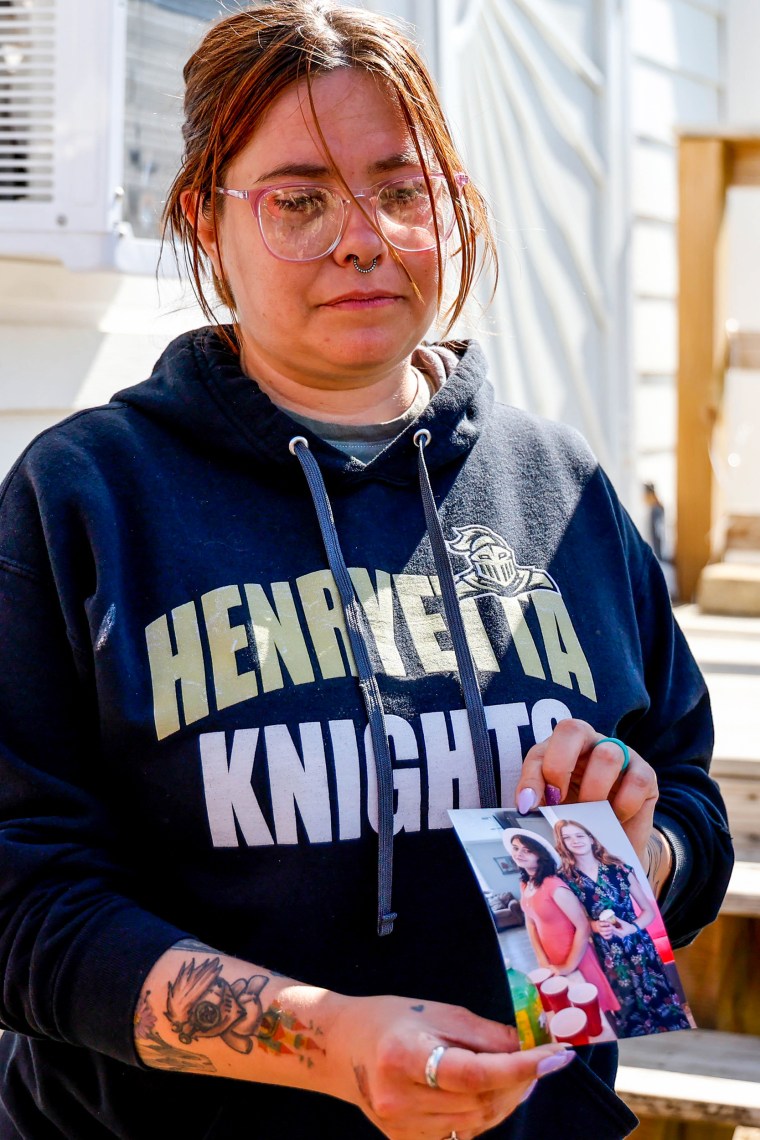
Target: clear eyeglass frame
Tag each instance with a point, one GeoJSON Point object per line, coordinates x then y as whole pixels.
{"type": "Point", "coordinates": [255, 199]}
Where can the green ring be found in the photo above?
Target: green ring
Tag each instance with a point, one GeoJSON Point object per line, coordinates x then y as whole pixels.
{"type": "Point", "coordinates": [614, 740]}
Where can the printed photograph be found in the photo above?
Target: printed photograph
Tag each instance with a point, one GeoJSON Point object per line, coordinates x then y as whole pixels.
{"type": "Point", "coordinates": [586, 954]}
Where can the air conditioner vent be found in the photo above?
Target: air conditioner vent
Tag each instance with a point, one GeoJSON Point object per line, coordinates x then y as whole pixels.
{"type": "Point", "coordinates": [27, 100]}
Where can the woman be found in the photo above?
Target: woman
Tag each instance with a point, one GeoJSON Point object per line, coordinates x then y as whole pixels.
{"type": "Point", "coordinates": [603, 883]}
{"type": "Point", "coordinates": [228, 752]}
{"type": "Point", "coordinates": [557, 924]}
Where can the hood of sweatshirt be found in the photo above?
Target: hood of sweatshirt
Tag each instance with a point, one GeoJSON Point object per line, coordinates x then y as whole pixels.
{"type": "Point", "coordinates": [200, 391]}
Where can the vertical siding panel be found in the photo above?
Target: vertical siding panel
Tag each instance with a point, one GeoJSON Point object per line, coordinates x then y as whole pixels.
{"type": "Point", "coordinates": [677, 81]}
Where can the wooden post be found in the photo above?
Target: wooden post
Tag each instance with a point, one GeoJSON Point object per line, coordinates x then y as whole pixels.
{"type": "Point", "coordinates": [719, 975]}
{"type": "Point", "coordinates": [702, 181]}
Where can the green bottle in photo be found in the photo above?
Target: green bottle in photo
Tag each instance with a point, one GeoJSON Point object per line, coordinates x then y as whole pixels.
{"type": "Point", "coordinates": [529, 1013]}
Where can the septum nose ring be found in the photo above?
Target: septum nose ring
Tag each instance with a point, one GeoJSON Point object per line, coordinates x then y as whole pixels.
{"type": "Point", "coordinates": [363, 268]}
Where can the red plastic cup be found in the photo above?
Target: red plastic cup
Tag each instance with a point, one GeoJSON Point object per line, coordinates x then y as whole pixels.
{"type": "Point", "coordinates": [554, 990]}
{"type": "Point", "coordinates": [538, 977]}
{"type": "Point", "coordinates": [585, 996]}
{"type": "Point", "coordinates": [570, 1026]}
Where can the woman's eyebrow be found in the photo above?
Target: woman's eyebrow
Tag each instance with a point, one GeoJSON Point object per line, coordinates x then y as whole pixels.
{"type": "Point", "coordinates": [319, 170]}
{"type": "Point", "coordinates": [394, 161]}
{"type": "Point", "coordinates": [295, 170]}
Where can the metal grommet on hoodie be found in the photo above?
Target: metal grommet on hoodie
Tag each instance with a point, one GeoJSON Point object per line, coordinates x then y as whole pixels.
{"type": "Point", "coordinates": [422, 435]}
{"type": "Point", "coordinates": [297, 439]}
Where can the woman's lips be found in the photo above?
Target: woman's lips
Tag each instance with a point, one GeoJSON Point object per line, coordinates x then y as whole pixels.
{"type": "Point", "coordinates": [362, 301]}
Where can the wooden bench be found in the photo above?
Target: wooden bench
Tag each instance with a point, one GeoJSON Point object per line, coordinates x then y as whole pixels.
{"type": "Point", "coordinates": [695, 1084]}
{"type": "Point", "coordinates": [703, 1084]}
{"type": "Point", "coordinates": [743, 895]}
{"type": "Point", "coordinates": [739, 780]}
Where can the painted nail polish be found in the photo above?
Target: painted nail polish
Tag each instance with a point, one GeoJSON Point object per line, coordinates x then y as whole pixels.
{"type": "Point", "coordinates": [553, 795]}
{"type": "Point", "coordinates": [526, 801]}
{"type": "Point", "coordinates": [554, 1063]}
{"type": "Point", "coordinates": [528, 1091]}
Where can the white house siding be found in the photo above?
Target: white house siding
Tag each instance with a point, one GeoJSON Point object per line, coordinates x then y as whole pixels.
{"type": "Point", "coordinates": [71, 339]}
{"type": "Point", "coordinates": [159, 40]}
{"type": "Point", "coordinates": [532, 87]}
{"type": "Point", "coordinates": [677, 80]}
{"type": "Point", "coordinates": [740, 462]}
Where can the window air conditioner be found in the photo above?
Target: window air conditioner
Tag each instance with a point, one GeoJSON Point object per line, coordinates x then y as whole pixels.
{"type": "Point", "coordinates": [61, 129]}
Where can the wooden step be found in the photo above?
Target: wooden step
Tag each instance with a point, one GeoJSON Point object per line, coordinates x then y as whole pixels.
{"type": "Point", "coordinates": [730, 588]}
{"type": "Point", "coordinates": [719, 969]}
{"type": "Point", "coordinates": [743, 895]}
{"type": "Point", "coordinates": [698, 1074]}
{"type": "Point", "coordinates": [739, 783]}
{"type": "Point", "coordinates": [743, 533]}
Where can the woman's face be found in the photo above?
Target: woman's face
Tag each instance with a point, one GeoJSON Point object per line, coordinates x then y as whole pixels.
{"type": "Point", "coordinates": [525, 859]}
{"type": "Point", "coordinates": [321, 323]}
{"type": "Point", "coordinates": [576, 840]}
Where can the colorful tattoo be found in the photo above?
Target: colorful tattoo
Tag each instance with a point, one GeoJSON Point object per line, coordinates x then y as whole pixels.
{"type": "Point", "coordinates": [201, 1003]}
{"type": "Point", "coordinates": [156, 1052]}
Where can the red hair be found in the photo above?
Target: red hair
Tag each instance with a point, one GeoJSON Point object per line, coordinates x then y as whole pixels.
{"type": "Point", "coordinates": [598, 850]}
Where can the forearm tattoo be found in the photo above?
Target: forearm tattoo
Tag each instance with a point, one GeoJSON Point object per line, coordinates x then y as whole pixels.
{"type": "Point", "coordinates": [194, 945]}
{"type": "Point", "coordinates": [201, 1003]}
{"type": "Point", "coordinates": [660, 861]}
{"type": "Point", "coordinates": [159, 1054]}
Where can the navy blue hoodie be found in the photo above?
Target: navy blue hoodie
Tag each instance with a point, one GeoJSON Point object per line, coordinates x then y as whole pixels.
{"type": "Point", "coordinates": [184, 748]}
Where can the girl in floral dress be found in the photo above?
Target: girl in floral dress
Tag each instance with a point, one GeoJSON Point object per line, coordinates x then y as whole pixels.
{"type": "Point", "coordinates": [603, 882]}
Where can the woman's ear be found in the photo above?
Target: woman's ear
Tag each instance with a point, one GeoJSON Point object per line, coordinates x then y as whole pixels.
{"type": "Point", "coordinates": [191, 200]}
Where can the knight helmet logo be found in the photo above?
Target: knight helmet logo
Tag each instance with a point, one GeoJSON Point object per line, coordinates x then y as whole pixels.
{"type": "Point", "coordinates": [492, 567]}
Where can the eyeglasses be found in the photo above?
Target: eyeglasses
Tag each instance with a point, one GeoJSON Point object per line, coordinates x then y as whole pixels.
{"type": "Point", "coordinates": [306, 222]}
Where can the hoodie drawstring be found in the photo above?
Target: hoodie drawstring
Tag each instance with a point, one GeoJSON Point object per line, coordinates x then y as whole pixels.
{"type": "Point", "coordinates": [476, 714]}
{"type": "Point", "coordinates": [360, 637]}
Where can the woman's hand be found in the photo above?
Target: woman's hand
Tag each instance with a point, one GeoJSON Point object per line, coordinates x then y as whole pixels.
{"type": "Point", "coordinates": [569, 762]}
{"type": "Point", "coordinates": [618, 929]}
{"type": "Point", "coordinates": [384, 1044]}
{"type": "Point", "coordinates": [624, 928]}
{"type": "Point", "coordinates": [604, 928]}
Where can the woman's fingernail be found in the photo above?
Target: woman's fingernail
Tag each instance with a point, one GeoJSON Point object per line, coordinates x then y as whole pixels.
{"type": "Point", "coordinates": [554, 1063]}
{"type": "Point", "coordinates": [526, 801]}
{"type": "Point", "coordinates": [553, 795]}
{"type": "Point", "coordinates": [528, 1091]}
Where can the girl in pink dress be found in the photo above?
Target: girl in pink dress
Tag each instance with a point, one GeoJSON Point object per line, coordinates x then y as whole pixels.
{"type": "Point", "coordinates": [557, 924]}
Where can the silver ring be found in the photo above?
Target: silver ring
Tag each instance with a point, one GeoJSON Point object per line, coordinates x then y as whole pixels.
{"type": "Point", "coordinates": [431, 1067]}
{"type": "Point", "coordinates": [363, 269]}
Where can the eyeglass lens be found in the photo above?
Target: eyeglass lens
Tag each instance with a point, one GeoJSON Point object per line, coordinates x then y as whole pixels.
{"type": "Point", "coordinates": [303, 222]}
